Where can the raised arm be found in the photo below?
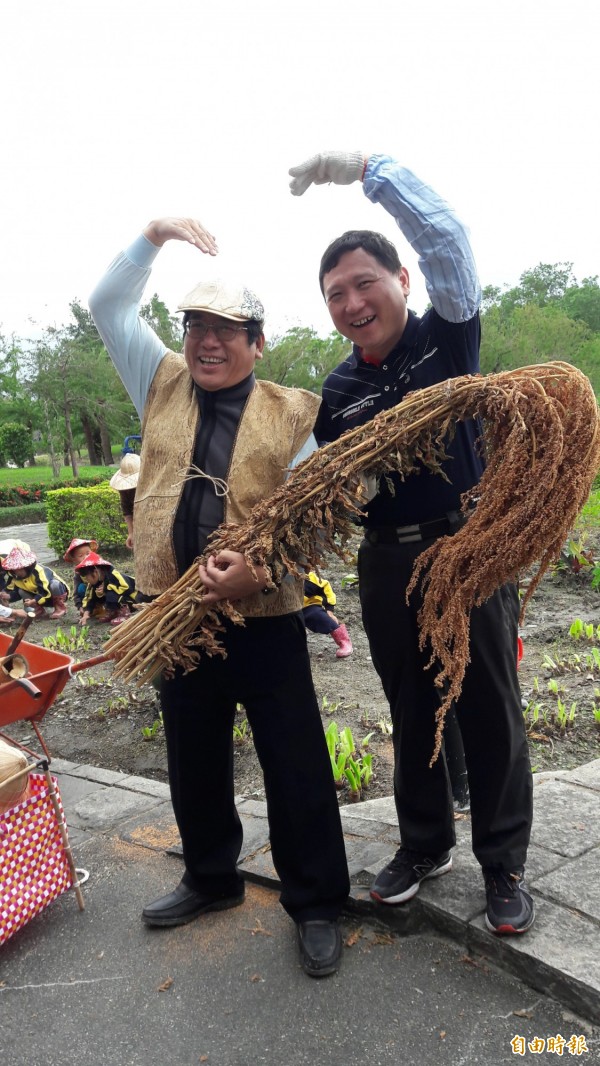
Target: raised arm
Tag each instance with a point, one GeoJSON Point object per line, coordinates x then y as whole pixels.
{"type": "Point", "coordinates": [429, 224]}
{"type": "Point", "coordinates": [131, 343]}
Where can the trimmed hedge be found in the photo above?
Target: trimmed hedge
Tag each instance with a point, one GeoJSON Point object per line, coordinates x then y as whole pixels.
{"type": "Point", "coordinates": [88, 512]}
{"type": "Point", "coordinates": [21, 516]}
{"type": "Point", "coordinates": [35, 492]}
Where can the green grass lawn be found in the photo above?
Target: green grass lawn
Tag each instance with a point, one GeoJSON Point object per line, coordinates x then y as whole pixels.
{"type": "Point", "coordinates": [36, 474]}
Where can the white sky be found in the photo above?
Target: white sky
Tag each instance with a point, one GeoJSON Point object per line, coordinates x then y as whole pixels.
{"type": "Point", "coordinates": [116, 113]}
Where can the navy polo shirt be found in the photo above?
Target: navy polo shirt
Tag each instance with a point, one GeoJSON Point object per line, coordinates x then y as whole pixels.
{"type": "Point", "coordinates": [429, 351]}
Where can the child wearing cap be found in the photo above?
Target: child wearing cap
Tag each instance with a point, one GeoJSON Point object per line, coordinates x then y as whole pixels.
{"type": "Point", "coordinates": [6, 546]}
{"type": "Point", "coordinates": [77, 550]}
{"type": "Point", "coordinates": [108, 594]}
{"type": "Point", "coordinates": [319, 598]}
{"type": "Point", "coordinates": [125, 481]}
{"type": "Point", "coordinates": [38, 586]}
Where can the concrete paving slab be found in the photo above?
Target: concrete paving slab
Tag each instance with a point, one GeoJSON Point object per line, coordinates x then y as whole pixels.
{"type": "Point", "coordinates": [365, 856]}
{"type": "Point", "coordinates": [93, 773]}
{"type": "Point", "coordinates": [367, 827]}
{"type": "Point", "coordinates": [106, 807]}
{"type": "Point", "coordinates": [259, 868]}
{"type": "Point", "coordinates": [588, 775]}
{"type": "Point", "coordinates": [74, 789]}
{"type": "Point", "coordinates": [560, 956]}
{"type": "Point", "coordinates": [575, 884]}
{"type": "Point", "coordinates": [154, 827]}
{"type": "Point", "coordinates": [565, 818]}
{"type": "Point", "coordinates": [256, 835]}
{"type": "Point", "coordinates": [145, 785]}
{"type": "Point", "coordinates": [379, 810]}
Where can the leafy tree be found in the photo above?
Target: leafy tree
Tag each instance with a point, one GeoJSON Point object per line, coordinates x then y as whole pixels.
{"type": "Point", "coordinates": [15, 442]}
{"type": "Point", "coordinates": [582, 302]}
{"type": "Point", "coordinates": [165, 325]}
{"type": "Point", "coordinates": [302, 359]}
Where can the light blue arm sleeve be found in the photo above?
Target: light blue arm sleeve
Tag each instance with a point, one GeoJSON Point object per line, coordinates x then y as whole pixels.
{"type": "Point", "coordinates": [131, 343]}
{"type": "Point", "coordinates": [435, 233]}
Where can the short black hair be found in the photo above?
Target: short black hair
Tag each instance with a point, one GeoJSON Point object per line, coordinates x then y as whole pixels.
{"type": "Point", "coordinates": [254, 327]}
{"type": "Point", "coordinates": [374, 243]}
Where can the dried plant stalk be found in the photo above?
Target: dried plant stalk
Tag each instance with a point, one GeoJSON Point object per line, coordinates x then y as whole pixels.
{"type": "Point", "coordinates": [541, 433]}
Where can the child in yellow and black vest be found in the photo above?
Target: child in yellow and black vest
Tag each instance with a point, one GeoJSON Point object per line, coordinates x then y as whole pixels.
{"type": "Point", "coordinates": [319, 598]}
{"type": "Point", "coordinates": [38, 586]}
{"type": "Point", "coordinates": [109, 593]}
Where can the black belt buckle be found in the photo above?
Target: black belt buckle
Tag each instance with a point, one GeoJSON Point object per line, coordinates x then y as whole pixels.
{"type": "Point", "coordinates": [438, 527]}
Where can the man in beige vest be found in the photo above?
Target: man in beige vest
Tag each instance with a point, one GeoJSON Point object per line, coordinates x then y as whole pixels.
{"type": "Point", "coordinates": [205, 410]}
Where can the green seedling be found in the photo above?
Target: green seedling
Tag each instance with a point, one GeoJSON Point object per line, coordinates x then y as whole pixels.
{"type": "Point", "coordinates": [149, 732]}
{"type": "Point", "coordinates": [532, 711]}
{"type": "Point", "coordinates": [329, 706]}
{"type": "Point", "coordinates": [76, 639]}
{"type": "Point", "coordinates": [592, 659]}
{"type": "Point", "coordinates": [580, 629]}
{"type": "Point", "coordinates": [350, 581]}
{"type": "Point", "coordinates": [553, 686]}
{"type": "Point", "coordinates": [241, 732]}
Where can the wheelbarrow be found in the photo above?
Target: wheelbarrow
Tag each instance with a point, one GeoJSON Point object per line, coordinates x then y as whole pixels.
{"type": "Point", "coordinates": [28, 697]}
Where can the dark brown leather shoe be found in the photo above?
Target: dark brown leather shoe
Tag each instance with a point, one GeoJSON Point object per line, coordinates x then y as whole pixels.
{"type": "Point", "coordinates": [320, 943]}
{"type": "Point", "coordinates": [184, 904]}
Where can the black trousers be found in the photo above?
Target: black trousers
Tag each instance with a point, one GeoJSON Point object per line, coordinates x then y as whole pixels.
{"type": "Point", "coordinates": [268, 670]}
{"type": "Point", "coordinates": [489, 714]}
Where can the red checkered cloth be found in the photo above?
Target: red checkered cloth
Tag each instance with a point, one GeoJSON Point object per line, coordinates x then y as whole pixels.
{"type": "Point", "coordinates": [34, 869]}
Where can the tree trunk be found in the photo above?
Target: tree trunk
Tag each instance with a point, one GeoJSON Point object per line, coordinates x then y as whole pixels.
{"type": "Point", "coordinates": [53, 456]}
{"type": "Point", "coordinates": [91, 435]}
{"type": "Point", "coordinates": [107, 457]}
{"type": "Point", "coordinates": [69, 435]}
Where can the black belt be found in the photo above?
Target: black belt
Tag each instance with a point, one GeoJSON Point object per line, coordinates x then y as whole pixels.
{"type": "Point", "coordinates": [439, 527]}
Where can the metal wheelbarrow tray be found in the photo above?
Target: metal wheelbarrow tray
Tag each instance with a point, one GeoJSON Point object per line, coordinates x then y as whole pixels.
{"type": "Point", "coordinates": [28, 698]}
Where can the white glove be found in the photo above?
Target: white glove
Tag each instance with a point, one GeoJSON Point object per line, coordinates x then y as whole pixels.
{"type": "Point", "coordinates": [342, 168]}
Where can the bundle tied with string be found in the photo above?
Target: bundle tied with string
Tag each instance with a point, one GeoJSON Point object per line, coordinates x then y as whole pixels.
{"type": "Point", "coordinates": [541, 436]}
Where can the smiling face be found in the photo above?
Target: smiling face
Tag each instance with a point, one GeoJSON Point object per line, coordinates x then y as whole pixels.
{"type": "Point", "coordinates": [218, 362]}
{"type": "Point", "coordinates": [367, 302]}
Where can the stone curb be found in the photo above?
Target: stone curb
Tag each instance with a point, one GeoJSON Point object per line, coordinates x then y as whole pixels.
{"type": "Point", "coordinates": [560, 956]}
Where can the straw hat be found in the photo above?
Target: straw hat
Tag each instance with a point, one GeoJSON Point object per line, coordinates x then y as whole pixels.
{"type": "Point", "coordinates": [18, 558]}
{"type": "Point", "coordinates": [6, 546]}
{"type": "Point", "coordinates": [127, 475]}
{"type": "Point", "coordinates": [77, 543]}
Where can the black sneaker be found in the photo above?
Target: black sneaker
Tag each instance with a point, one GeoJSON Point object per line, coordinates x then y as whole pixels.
{"type": "Point", "coordinates": [401, 879]}
{"type": "Point", "coordinates": [510, 908]}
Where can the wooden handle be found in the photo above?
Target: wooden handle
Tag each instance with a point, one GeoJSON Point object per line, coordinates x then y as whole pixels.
{"type": "Point", "coordinates": [21, 631]}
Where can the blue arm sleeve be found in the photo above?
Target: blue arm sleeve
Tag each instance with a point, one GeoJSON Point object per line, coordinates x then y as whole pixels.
{"type": "Point", "coordinates": [435, 233]}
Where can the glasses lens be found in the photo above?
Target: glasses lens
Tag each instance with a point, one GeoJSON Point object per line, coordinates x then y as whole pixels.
{"type": "Point", "coordinates": [198, 330]}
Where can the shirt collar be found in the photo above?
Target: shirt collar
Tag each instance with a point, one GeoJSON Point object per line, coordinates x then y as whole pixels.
{"type": "Point", "coordinates": [406, 341]}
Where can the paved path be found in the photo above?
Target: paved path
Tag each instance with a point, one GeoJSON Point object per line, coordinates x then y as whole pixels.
{"type": "Point", "coordinates": [422, 983]}
{"type": "Point", "coordinates": [36, 535]}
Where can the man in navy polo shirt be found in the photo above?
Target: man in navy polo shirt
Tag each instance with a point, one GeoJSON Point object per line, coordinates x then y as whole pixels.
{"type": "Point", "coordinates": [394, 352]}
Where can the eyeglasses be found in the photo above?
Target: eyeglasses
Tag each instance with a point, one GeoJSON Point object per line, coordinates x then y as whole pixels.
{"type": "Point", "coordinates": [197, 331]}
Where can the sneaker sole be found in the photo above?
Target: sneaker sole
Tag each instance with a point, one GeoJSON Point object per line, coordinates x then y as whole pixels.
{"type": "Point", "coordinates": [403, 897]}
{"type": "Point", "coordinates": [218, 905]}
{"type": "Point", "coordinates": [509, 930]}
